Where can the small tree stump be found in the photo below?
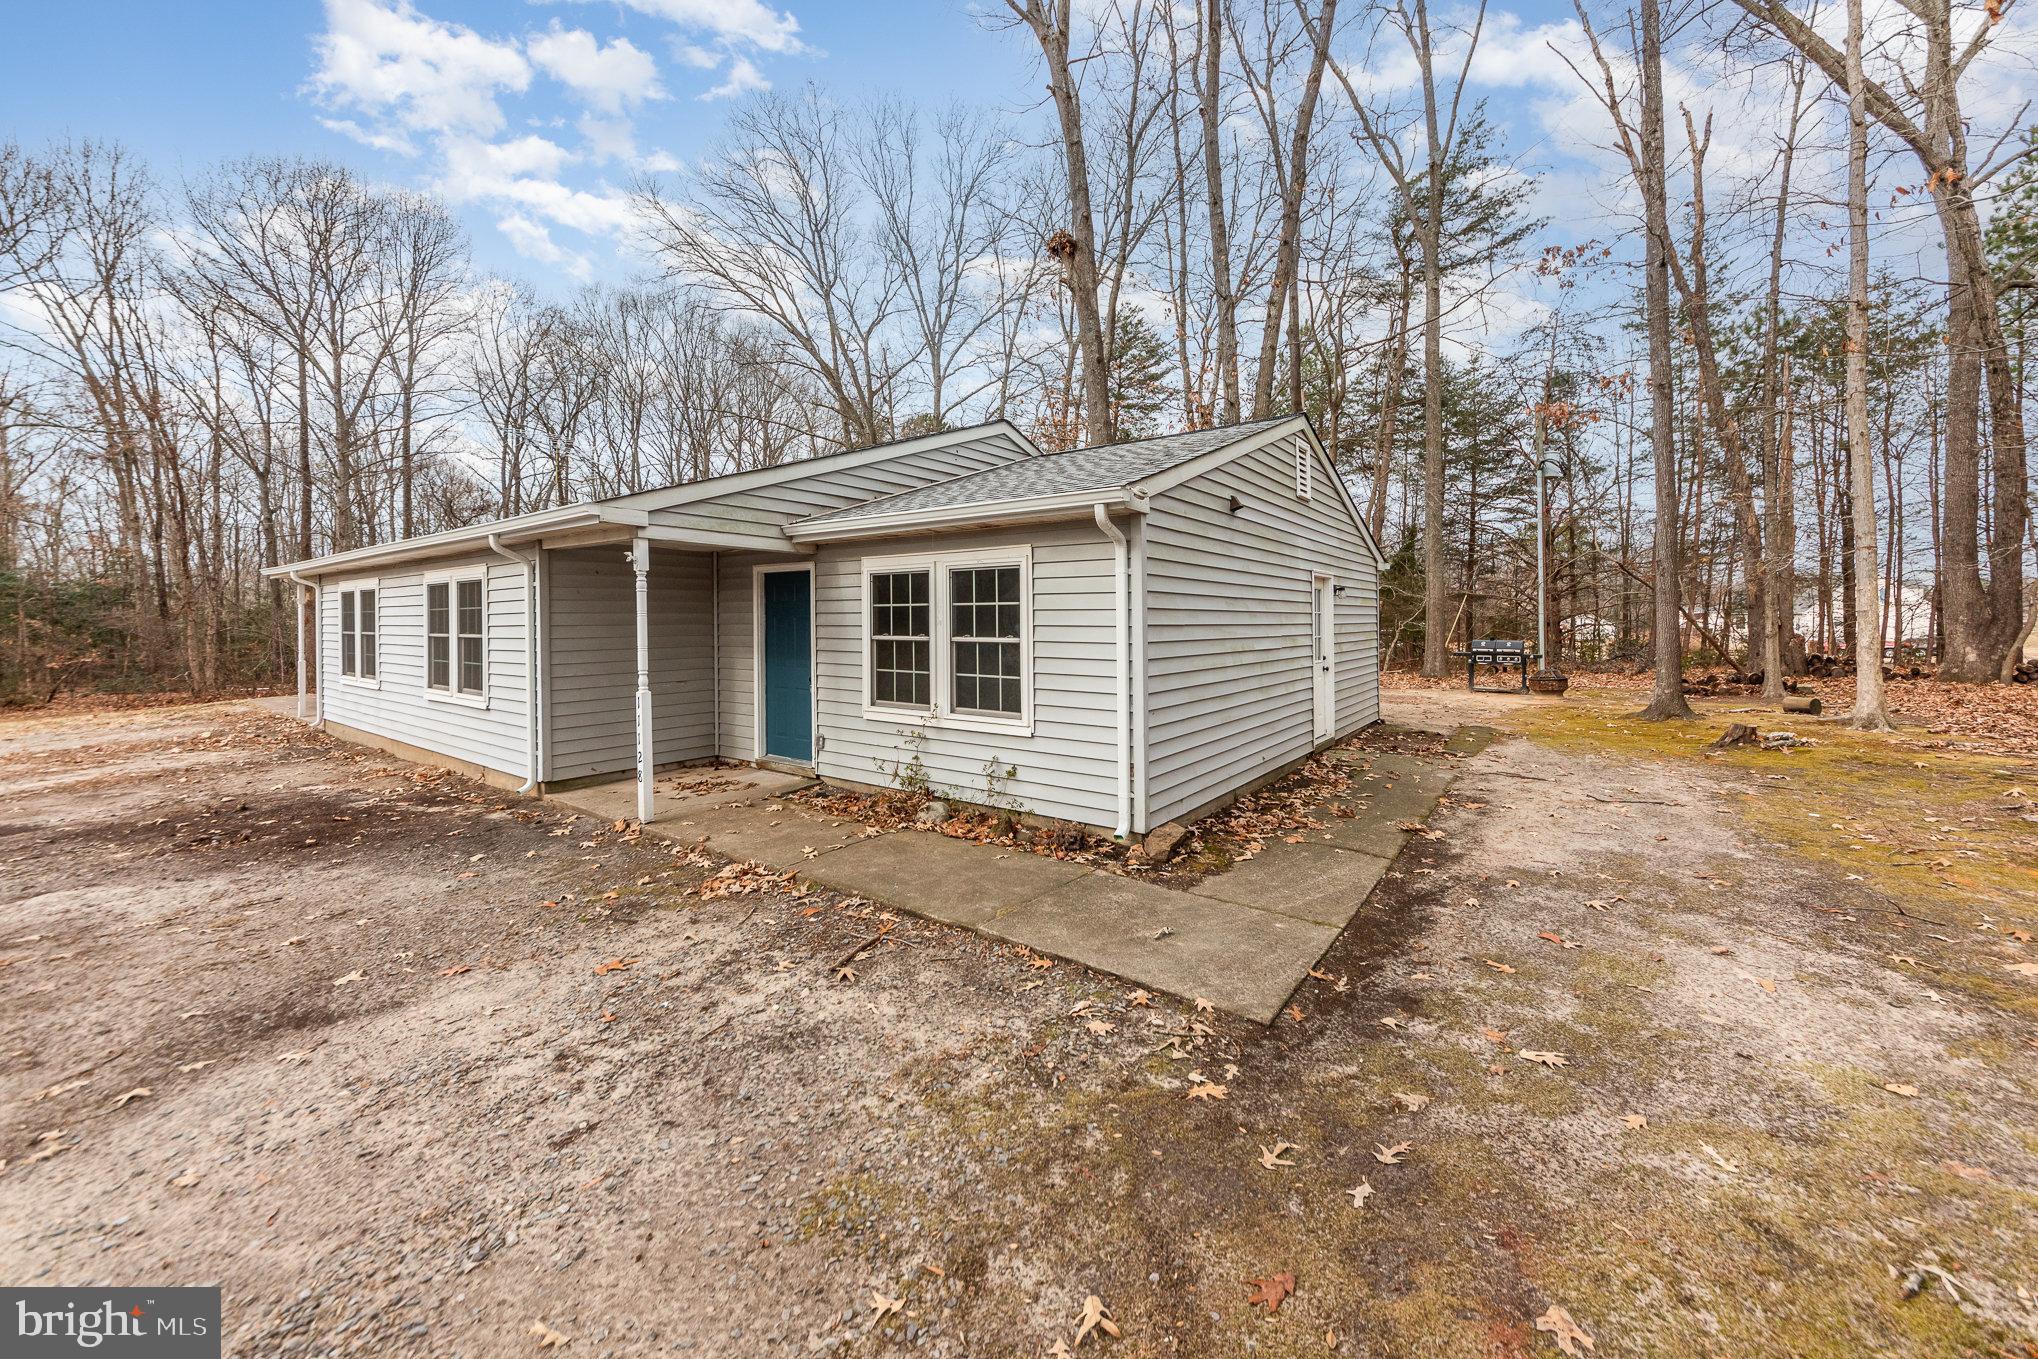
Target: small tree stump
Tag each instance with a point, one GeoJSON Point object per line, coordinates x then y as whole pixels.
{"type": "Point", "coordinates": [1739, 734]}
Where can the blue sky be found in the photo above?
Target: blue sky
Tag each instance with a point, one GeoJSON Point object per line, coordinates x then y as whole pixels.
{"type": "Point", "coordinates": [187, 84]}
{"type": "Point", "coordinates": [532, 119]}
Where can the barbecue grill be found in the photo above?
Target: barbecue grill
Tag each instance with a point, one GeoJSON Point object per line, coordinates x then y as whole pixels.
{"type": "Point", "coordinates": [1499, 655]}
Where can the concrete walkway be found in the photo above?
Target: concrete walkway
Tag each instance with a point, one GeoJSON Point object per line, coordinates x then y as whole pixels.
{"type": "Point", "coordinates": [1243, 940]}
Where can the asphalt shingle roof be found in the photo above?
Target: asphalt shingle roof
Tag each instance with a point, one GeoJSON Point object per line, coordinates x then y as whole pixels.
{"type": "Point", "coordinates": [1105, 467]}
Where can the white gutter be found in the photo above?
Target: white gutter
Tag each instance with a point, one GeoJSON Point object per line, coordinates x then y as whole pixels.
{"type": "Point", "coordinates": [297, 617]}
{"type": "Point", "coordinates": [524, 527]}
{"type": "Point", "coordinates": [1121, 638]}
{"type": "Point", "coordinates": [1070, 505]}
{"type": "Point", "coordinates": [532, 725]}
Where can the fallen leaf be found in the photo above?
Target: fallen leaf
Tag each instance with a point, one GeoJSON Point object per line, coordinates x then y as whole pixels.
{"type": "Point", "coordinates": [1294, 1012]}
{"type": "Point", "coordinates": [1494, 1035]}
{"type": "Point", "coordinates": [194, 1066]}
{"type": "Point", "coordinates": [1635, 1120]}
{"type": "Point", "coordinates": [1272, 1157]}
{"type": "Point", "coordinates": [1041, 964]}
{"type": "Point", "coordinates": [1141, 998]}
{"type": "Point", "coordinates": [184, 1181]}
{"type": "Point", "coordinates": [1271, 1290]}
{"type": "Point", "coordinates": [1558, 940]}
{"type": "Point", "coordinates": [1550, 1059]}
{"type": "Point", "coordinates": [1207, 1090]}
{"type": "Point", "coordinates": [1205, 1006]}
{"type": "Point", "coordinates": [354, 976]}
{"type": "Point", "coordinates": [1390, 1022]}
{"type": "Point", "coordinates": [1360, 1192]}
{"type": "Point", "coordinates": [1411, 1101]}
{"type": "Point", "coordinates": [1391, 1156]}
{"type": "Point", "coordinates": [139, 1092]}
{"type": "Point", "coordinates": [1497, 967]}
{"type": "Point", "coordinates": [547, 1337]}
{"type": "Point", "coordinates": [455, 970]}
{"type": "Point", "coordinates": [1907, 1091]}
{"type": "Point", "coordinates": [1968, 1172]}
{"type": "Point", "coordinates": [1567, 1333]}
{"type": "Point", "coordinates": [884, 1306]}
{"type": "Point", "coordinates": [1096, 1317]}
{"type": "Point", "coordinates": [615, 965]}
{"type": "Point", "coordinates": [1726, 1163]}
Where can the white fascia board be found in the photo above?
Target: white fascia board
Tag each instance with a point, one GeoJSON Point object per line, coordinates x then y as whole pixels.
{"type": "Point", "coordinates": [520, 528]}
{"type": "Point", "coordinates": [1167, 480]}
{"type": "Point", "coordinates": [1067, 505]}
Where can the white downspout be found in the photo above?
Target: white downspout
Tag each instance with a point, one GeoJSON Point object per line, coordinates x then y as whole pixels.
{"type": "Point", "coordinates": [640, 563]}
{"type": "Point", "coordinates": [311, 585]}
{"type": "Point", "coordinates": [1137, 622]}
{"type": "Point", "coordinates": [531, 720]}
{"type": "Point", "coordinates": [1121, 638]}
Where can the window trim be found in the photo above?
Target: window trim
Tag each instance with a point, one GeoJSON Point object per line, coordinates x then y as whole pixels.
{"type": "Point", "coordinates": [451, 579]}
{"type": "Point", "coordinates": [354, 587]}
{"type": "Point", "coordinates": [941, 713]}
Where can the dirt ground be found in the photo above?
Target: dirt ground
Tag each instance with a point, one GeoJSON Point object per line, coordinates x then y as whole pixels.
{"type": "Point", "coordinates": [1719, 1056]}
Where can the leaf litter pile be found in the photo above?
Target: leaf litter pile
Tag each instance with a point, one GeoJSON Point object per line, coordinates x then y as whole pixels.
{"type": "Point", "coordinates": [1293, 809]}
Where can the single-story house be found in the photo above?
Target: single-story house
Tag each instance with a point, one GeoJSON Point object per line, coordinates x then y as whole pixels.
{"type": "Point", "coordinates": [1117, 636]}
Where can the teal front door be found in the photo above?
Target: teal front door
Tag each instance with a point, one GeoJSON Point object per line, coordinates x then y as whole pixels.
{"type": "Point", "coordinates": [789, 665]}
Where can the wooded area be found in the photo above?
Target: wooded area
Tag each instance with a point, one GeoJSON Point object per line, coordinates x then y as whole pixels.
{"type": "Point", "coordinates": [1786, 386]}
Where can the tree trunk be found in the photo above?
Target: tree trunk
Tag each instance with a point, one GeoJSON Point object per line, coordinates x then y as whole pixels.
{"type": "Point", "coordinates": [1666, 700]}
{"type": "Point", "coordinates": [1868, 713]}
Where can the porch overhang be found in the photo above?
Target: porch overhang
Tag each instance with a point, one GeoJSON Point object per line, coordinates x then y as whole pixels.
{"type": "Point", "coordinates": [978, 514]}
{"type": "Point", "coordinates": [568, 526]}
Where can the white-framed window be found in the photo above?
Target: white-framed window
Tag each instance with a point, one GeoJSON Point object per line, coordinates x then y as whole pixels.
{"type": "Point", "coordinates": [1303, 463]}
{"type": "Point", "coordinates": [948, 638]}
{"type": "Point", "coordinates": [358, 653]}
{"type": "Point", "coordinates": [456, 635]}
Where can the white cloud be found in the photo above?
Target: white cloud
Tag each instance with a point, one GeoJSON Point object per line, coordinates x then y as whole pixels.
{"type": "Point", "coordinates": [606, 76]}
{"type": "Point", "coordinates": [478, 110]}
{"type": "Point", "coordinates": [747, 23]}
{"type": "Point", "coordinates": [391, 141]}
{"type": "Point", "coordinates": [400, 67]}
{"type": "Point", "coordinates": [531, 240]}
{"type": "Point", "coordinates": [743, 78]}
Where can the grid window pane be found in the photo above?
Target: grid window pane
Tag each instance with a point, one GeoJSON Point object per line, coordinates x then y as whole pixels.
{"type": "Point", "coordinates": [438, 635]}
{"type": "Point", "coordinates": [348, 664]}
{"type": "Point", "coordinates": [470, 664]}
{"type": "Point", "coordinates": [901, 651]}
{"type": "Point", "coordinates": [984, 646]}
{"type": "Point", "coordinates": [367, 619]}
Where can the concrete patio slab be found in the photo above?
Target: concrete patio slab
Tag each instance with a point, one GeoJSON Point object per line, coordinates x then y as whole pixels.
{"type": "Point", "coordinates": [1319, 883]}
{"type": "Point", "coordinates": [1241, 960]}
{"type": "Point", "coordinates": [682, 793]}
{"type": "Point", "coordinates": [953, 881]}
{"type": "Point", "coordinates": [779, 834]}
{"type": "Point", "coordinates": [1243, 940]}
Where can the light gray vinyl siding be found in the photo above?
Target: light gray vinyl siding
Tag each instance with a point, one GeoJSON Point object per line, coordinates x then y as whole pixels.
{"type": "Point", "coordinates": [1066, 766]}
{"type": "Point", "coordinates": [399, 707]}
{"type": "Point", "coordinates": [1229, 626]}
{"type": "Point", "coordinates": [591, 626]}
{"type": "Point", "coordinates": [766, 508]}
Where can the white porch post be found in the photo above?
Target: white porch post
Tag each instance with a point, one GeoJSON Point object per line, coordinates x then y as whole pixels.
{"type": "Point", "coordinates": [640, 561]}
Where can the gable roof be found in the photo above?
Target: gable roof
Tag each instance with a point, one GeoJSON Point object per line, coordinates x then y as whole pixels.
{"type": "Point", "coordinates": [632, 510]}
{"type": "Point", "coordinates": [1105, 467]}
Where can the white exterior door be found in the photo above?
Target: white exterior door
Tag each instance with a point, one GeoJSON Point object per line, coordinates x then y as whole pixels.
{"type": "Point", "coordinates": [1324, 659]}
